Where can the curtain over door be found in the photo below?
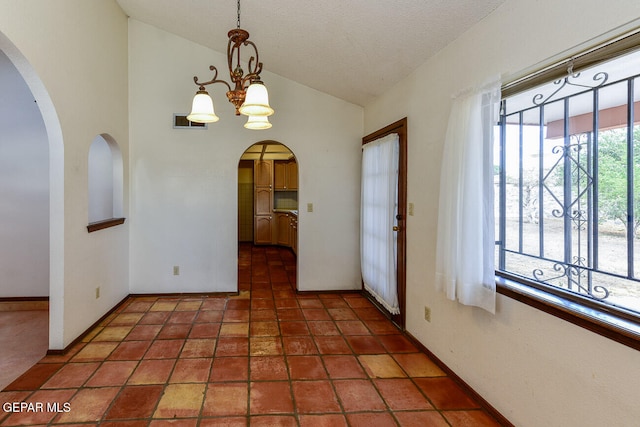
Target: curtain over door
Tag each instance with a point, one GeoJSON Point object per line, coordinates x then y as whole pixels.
{"type": "Point", "coordinates": [379, 205]}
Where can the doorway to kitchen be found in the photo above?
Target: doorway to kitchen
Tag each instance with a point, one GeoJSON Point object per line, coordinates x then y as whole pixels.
{"type": "Point", "coordinates": [268, 217]}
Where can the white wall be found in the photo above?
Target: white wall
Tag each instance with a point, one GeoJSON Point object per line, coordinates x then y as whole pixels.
{"type": "Point", "coordinates": [184, 182]}
{"type": "Point", "coordinates": [537, 370]}
{"type": "Point", "coordinates": [75, 53]}
{"type": "Point", "coordinates": [24, 189]}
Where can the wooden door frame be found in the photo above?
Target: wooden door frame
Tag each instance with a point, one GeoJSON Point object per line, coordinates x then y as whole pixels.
{"type": "Point", "coordinates": [399, 127]}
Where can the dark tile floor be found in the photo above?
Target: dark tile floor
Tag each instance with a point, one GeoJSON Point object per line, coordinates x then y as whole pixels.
{"type": "Point", "coordinates": [267, 357]}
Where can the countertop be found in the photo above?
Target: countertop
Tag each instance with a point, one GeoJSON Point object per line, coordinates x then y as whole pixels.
{"type": "Point", "coordinates": [291, 211]}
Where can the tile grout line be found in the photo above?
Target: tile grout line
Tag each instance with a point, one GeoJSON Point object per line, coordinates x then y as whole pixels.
{"type": "Point", "coordinates": [329, 305]}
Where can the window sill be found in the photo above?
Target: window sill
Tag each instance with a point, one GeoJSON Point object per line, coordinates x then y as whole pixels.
{"type": "Point", "coordinates": [608, 322]}
{"type": "Point", "coordinates": [100, 225]}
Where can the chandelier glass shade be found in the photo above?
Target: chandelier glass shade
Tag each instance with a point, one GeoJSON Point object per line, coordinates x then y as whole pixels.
{"type": "Point", "coordinates": [246, 92]}
{"type": "Point", "coordinates": [202, 109]}
{"type": "Point", "coordinates": [258, 123]}
{"type": "Point", "coordinates": [256, 101]}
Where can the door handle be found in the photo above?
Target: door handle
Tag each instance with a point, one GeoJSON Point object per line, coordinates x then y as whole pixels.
{"type": "Point", "coordinates": [396, 228]}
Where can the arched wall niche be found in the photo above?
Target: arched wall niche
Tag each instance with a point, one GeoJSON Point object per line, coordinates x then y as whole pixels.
{"type": "Point", "coordinates": [106, 177]}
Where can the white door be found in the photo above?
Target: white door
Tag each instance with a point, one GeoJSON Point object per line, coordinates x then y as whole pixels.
{"type": "Point", "coordinates": [378, 225]}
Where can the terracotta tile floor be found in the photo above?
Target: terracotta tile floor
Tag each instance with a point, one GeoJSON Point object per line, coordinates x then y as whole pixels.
{"type": "Point", "coordinates": [16, 353]}
{"type": "Point", "coordinates": [267, 357]}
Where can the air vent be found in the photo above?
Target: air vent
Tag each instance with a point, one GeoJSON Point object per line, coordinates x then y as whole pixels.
{"type": "Point", "coordinates": [180, 122]}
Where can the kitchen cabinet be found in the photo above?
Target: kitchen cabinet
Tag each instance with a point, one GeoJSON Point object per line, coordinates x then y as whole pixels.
{"type": "Point", "coordinates": [263, 173]}
{"type": "Point", "coordinates": [263, 230]}
{"type": "Point", "coordinates": [283, 225]}
{"type": "Point", "coordinates": [293, 233]}
{"type": "Point", "coordinates": [285, 175]}
{"type": "Point", "coordinates": [271, 227]}
{"type": "Point", "coordinates": [263, 202]}
{"type": "Point", "coordinates": [292, 175]}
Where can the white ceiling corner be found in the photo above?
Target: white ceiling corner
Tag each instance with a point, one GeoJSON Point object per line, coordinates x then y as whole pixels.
{"type": "Point", "coordinates": [352, 49]}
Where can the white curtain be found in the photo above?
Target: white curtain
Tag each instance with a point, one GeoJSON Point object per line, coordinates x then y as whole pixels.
{"type": "Point", "coordinates": [466, 244]}
{"type": "Point", "coordinates": [378, 248]}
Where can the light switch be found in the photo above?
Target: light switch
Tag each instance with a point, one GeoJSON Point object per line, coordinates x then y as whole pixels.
{"type": "Point", "coordinates": [411, 209]}
{"type": "Point", "coordinates": [309, 207]}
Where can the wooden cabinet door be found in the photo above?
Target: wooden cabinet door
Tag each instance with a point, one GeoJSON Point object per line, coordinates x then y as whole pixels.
{"type": "Point", "coordinates": [285, 175]}
{"type": "Point", "coordinates": [280, 175]}
{"type": "Point", "coordinates": [263, 173]}
{"type": "Point", "coordinates": [262, 231]}
{"type": "Point", "coordinates": [263, 201]}
{"type": "Point", "coordinates": [294, 234]}
{"type": "Point", "coordinates": [292, 175]}
{"type": "Point", "coordinates": [282, 225]}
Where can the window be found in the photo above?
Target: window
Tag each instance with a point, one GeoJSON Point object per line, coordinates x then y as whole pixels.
{"type": "Point", "coordinates": [567, 186]}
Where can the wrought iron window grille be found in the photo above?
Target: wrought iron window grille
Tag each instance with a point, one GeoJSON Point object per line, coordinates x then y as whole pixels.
{"type": "Point", "coordinates": [565, 187]}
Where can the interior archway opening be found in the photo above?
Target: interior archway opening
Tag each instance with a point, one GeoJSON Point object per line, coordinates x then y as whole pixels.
{"type": "Point", "coordinates": [32, 222]}
{"type": "Point", "coordinates": [268, 220]}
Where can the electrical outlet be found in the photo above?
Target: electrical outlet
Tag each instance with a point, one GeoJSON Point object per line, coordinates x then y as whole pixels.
{"type": "Point", "coordinates": [427, 314]}
{"type": "Point", "coordinates": [98, 292]}
{"type": "Point", "coordinates": [309, 207]}
{"type": "Point", "coordinates": [411, 209]}
{"type": "Point", "coordinates": [176, 270]}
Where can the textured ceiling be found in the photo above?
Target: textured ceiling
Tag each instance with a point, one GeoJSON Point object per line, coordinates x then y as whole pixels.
{"type": "Point", "coordinates": [352, 49]}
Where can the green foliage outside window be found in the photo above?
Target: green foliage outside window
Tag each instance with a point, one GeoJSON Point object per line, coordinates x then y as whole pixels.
{"type": "Point", "coordinates": [612, 176]}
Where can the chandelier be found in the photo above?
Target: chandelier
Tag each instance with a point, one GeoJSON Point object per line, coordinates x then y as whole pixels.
{"type": "Point", "coordinates": [249, 95]}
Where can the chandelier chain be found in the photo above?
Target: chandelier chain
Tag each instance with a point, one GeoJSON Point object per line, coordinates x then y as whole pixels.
{"type": "Point", "coordinates": [238, 13]}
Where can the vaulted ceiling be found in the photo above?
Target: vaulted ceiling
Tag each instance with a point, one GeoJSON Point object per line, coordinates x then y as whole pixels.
{"type": "Point", "coordinates": [352, 49]}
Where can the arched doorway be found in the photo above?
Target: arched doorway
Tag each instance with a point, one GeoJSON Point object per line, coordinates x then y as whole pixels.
{"type": "Point", "coordinates": [54, 187]}
{"type": "Point", "coordinates": [268, 217]}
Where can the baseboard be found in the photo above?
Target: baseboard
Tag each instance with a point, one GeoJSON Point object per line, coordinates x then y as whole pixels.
{"type": "Point", "coordinates": [24, 303]}
{"type": "Point", "coordinates": [460, 382]}
{"type": "Point", "coordinates": [330, 291]}
{"type": "Point", "coordinates": [64, 351]}
{"type": "Point", "coordinates": [186, 294]}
